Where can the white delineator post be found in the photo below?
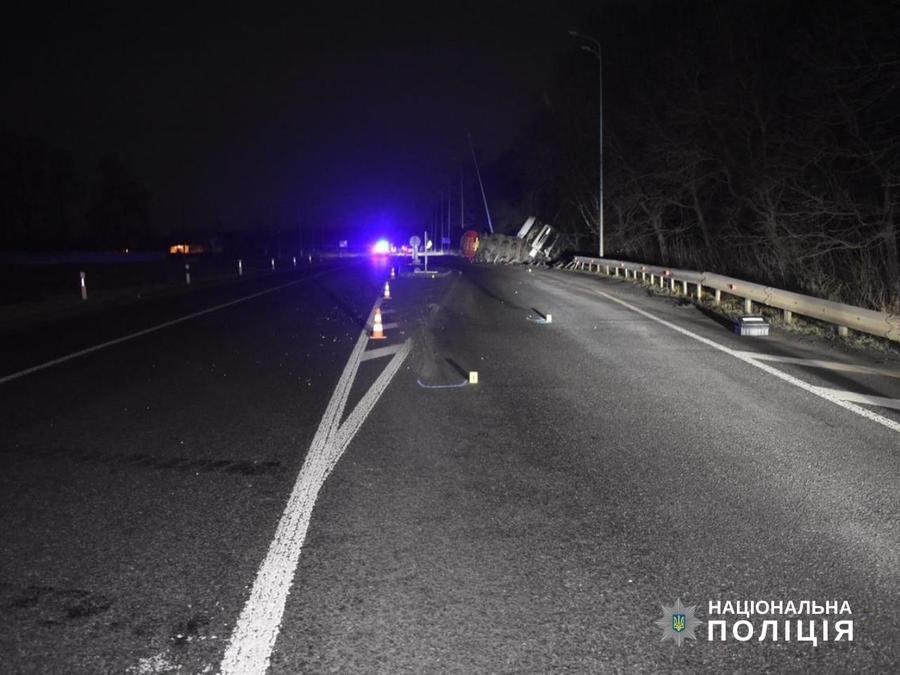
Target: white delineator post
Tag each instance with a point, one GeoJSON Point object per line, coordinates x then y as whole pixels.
{"type": "Point", "coordinates": [273, 264]}
{"type": "Point", "coordinates": [83, 287]}
{"type": "Point", "coordinates": [240, 268]}
{"type": "Point", "coordinates": [187, 273]}
{"type": "Point", "coordinates": [295, 261]}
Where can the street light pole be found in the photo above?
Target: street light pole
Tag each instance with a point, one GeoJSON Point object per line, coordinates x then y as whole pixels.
{"type": "Point", "coordinates": [595, 49]}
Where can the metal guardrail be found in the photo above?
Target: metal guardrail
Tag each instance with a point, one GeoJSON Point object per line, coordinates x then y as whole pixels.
{"type": "Point", "coordinates": [843, 316]}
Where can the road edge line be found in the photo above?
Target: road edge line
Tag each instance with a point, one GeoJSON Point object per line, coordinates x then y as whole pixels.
{"type": "Point", "coordinates": [797, 382]}
{"type": "Point", "coordinates": [109, 343]}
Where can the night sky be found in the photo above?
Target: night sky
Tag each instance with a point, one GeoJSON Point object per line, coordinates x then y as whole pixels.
{"type": "Point", "coordinates": [343, 115]}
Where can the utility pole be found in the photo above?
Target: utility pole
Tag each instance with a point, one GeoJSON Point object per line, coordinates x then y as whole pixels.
{"type": "Point", "coordinates": [487, 211]}
{"type": "Point", "coordinates": [595, 49]}
{"type": "Point", "coordinates": [462, 206]}
{"type": "Point", "coordinates": [449, 201]}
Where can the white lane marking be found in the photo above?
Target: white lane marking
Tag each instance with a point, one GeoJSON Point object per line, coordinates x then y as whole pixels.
{"type": "Point", "coordinates": [254, 634]}
{"type": "Point", "coordinates": [153, 329]}
{"type": "Point", "coordinates": [817, 391]}
{"type": "Point", "coordinates": [880, 401]}
{"type": "Point", "coordinates": [250, 647]}
{"type": "Point", "coordinates": [355, 419]}
{"type": "Point", "coordinates": [827, 365]}
{"type": "Point", "coordinates": [381, 352]}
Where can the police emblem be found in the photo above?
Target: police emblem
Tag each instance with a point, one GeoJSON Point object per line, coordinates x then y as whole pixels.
{"type": "Point", "coordinates": [678, 622]}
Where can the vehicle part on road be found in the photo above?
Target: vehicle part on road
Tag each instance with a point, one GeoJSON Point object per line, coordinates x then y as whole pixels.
{"type": "Point", "coordinates": [541, 317]}
{"type": "Point", "coordinates": [753, 326]}
{"type": "Point", "coordinates": [377, 326]}
{"type": "Point", "coordinates": [464, 383]}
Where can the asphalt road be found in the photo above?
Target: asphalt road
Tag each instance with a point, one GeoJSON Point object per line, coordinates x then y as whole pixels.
{"type": "Point", "coordinates": [152, 493]}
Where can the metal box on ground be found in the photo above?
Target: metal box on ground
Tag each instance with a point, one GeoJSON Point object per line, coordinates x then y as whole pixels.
{"type": "Point", "coordinates": [751, 326]}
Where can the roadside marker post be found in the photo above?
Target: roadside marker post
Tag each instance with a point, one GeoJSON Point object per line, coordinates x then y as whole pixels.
{"type": "Point", "coordinates": [187, 273]}
{"type": "Point", "coordinates": [295, 261]}
{"type": "Point", "coordinates": [83, 287]}
{"type": "Point", "coordinates": [240, 268]}
{"type": "Point", "coordinates": [273, 264]}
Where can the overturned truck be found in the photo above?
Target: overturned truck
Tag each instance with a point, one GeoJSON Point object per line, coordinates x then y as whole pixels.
{"type": "Point", "coordinates": [535, 243]}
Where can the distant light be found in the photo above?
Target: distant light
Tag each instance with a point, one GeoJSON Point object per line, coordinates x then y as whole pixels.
{"type": "Point", "coordinates": [381, 246]}
{"type": "Point", "coordinates": [185, 249]}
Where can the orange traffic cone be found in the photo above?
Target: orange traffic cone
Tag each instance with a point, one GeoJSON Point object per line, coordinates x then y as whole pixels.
{"type": "Point", "coordinates": [377, 326]}
{"type": "Point", "coordinates": [393, 274]}
{"type": "Point", "coordinates": [387, 291]}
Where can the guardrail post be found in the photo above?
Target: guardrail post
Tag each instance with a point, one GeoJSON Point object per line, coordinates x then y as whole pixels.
{"type": "Point", "coordinates": [83, 287]}
{"type": "Point", "coordinates": [684, 287]}
{"type": "Point", "coordinates": [748, 306]}
{"type": "Point", "coordinates": [672, 285]}
{"type": "Point", "coordinates": [699, 292]}
{"type": "Point", "coordinates": [652, 279]}
{"type": "Point", "coordinates": [662, 282]}
{"type": "Point", "coordinates": [788, 316]}
{"type": "Point", "coordinates": [643, 277]}
{"type": "Point", "coordinates": [718, 297]}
